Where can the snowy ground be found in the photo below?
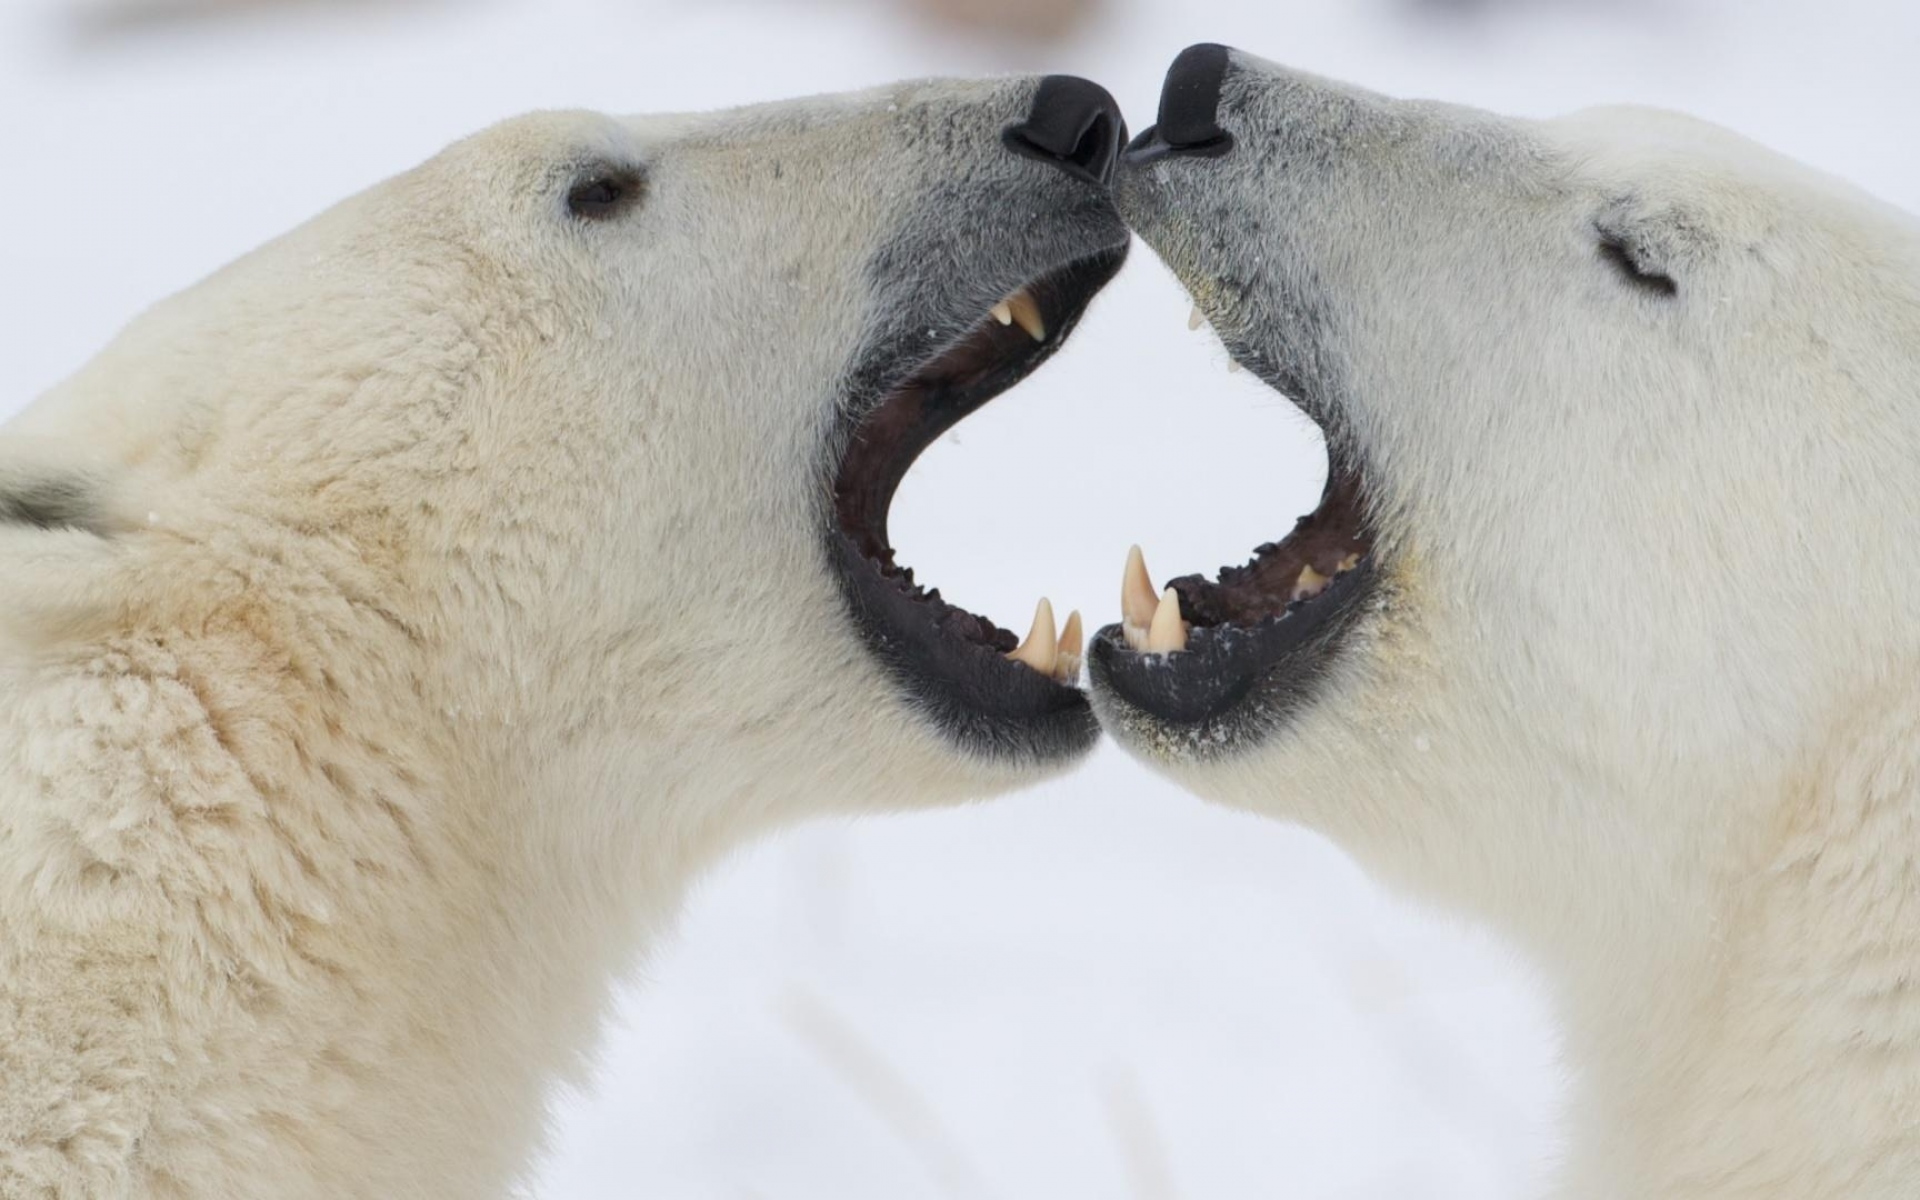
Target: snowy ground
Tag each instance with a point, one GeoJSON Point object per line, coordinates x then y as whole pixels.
{"type": "Point", "coordinates": [1097, 989]}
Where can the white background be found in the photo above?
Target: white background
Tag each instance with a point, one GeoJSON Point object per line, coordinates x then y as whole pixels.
{"type": "Point", "coordinates": [1100, 988]}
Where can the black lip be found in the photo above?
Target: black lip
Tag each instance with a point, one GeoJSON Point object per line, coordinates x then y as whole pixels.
{"type": "Point", "coordinates": [978, 699]}
{"type": "Point", "coordinates": [1234, 684]}
{"type": "Point", "coordinates": [944, 660]}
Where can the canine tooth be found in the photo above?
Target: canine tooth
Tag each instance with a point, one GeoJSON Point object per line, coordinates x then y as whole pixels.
{"type": "Point", "coordinates": [1195, 319]}
{"type": "Point", "coordinates": [1137, 602]}
{"type": "Point", "coordinates": [1041, 650]}
{"type": "Point", "coordinates": [1169, 632]}
{"type": "Point", "coordinates": [1026, 314]}
{"type": "Point", "coordinates": [1072, 642]}
{"type": "Point", "coordinates": [1072, 636]}
{"type": "Point", "coordinates": [1002, 312]}
{"type": "Point", "coordinates": [1347, 564]}
{"type": "Point", "coordinates": [1310, 584]}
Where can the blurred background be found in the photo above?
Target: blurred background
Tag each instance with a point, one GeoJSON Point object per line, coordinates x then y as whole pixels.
{"type": "Point", "coordinates": [1100, 988]}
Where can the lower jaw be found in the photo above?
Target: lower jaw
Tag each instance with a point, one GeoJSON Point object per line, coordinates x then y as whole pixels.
{"type": "Point", "coordinates": [1233, 685]}
{"type": "Point", "coordinates": [973, 697]}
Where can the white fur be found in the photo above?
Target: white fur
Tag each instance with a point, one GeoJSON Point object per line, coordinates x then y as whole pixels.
{"type": "Point", "coordinates": [452, 592]}
{"type": "Point", "coordinates": [1643, 688]}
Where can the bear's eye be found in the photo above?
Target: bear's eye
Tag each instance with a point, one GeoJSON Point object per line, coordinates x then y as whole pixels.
{"type": "Point", "coordinates": [1633, 268]}
{"type": "Point", "coordinates": [603, 193]}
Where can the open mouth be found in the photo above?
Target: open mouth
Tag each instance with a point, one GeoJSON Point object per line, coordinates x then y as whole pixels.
{"type": "Point", "coordinates": [1198, 651]}
{"type": "Point", "coordinates": [985, 687]}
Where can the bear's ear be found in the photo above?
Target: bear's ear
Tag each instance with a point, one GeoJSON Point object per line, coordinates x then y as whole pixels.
{"type": "Point", "coordinates": [42, 487]}
{"type": "Point", "coordinates": [50, 502]}
{"type": "Point", "coordinates": [61, 517]}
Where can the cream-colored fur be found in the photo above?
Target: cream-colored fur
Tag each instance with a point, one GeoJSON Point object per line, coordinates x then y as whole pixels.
{"type": "Point", "coordinates": [1642, 688]}
{"type": "Point", "coordinates": [422, 601]}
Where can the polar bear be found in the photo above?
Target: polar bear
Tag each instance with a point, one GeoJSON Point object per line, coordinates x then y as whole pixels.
{"type": "Point", "coordinates": [392, 624]}
{"type": "Point", "coordinates": [1606, 630]}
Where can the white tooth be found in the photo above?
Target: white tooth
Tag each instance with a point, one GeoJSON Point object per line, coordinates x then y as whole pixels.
{"type": "Point", "coordinates": [1002, 312]}
{"type": "Point", "coordinates": [1137, 601]}
{"type": "Point", "coordinates": [1169, 632]}
{"type": "Point", "coordinates": [1072, 642]}
{"type": "Point", "coordinates": [1233, 367]}
{"type": "Point", "coordinates": [1347, 564]}
{"type": "Point", "coordinates": [1042, 648]}
{"type": "Point", "coordinates": [1310, 584]}
{"type": "Point", "coordinates": [1026, 314]}
{"type": "Point", "coordinates": [1072, 636]}
{"type": "Point", "coordinates": [1195, 319]}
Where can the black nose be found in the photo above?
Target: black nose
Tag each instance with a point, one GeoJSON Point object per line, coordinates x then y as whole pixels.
{"type": "Point", "coordinates": [1189, 108]}
{"type": "Point", "coordinates": [1075, 125]}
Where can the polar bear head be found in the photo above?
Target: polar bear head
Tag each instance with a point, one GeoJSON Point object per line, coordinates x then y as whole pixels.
{"type": "Point", "coordinates": [611, 410]}
{"type": "Point", "coordinates": [1621, 421]}
{"type": "Point", "coordinates": [392, 624]}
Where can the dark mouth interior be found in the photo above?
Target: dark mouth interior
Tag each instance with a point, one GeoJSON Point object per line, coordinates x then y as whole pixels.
{"type": "Point", "coordinates": [1286, 576]}
{"type": "Point", "coordinates": [931, 399]}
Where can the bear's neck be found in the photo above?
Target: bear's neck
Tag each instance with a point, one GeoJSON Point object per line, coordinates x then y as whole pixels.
{"type": "Point", "coordinates": [1773, 1048]}
{"type": "Point", "coordinates": [441, 901]}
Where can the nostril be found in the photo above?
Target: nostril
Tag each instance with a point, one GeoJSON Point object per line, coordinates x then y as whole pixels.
{"type": "Point", "coordinates": [1074, 125]}
{"type": "Point", "coordinates": [1094, 152]}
